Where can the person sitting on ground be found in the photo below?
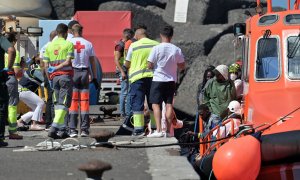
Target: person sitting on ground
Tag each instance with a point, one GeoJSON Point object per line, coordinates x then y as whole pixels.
{"type": "Point", "coordinates": [28, 85]}
{"type": "Point", "coordinates": [219, 92]}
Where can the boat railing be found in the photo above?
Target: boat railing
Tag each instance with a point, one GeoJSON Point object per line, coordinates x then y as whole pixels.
{"type": "Point", "coordinates": [215, 134]}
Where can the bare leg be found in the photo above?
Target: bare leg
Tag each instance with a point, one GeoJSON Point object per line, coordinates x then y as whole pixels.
{"type": "Point", "coordinates": [169, 116]}
{"type": "Point", "coordinates": [157, 116]}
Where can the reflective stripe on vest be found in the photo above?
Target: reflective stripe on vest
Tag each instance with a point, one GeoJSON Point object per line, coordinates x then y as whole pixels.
{"type": "Point", "coordinates": [140, 52]}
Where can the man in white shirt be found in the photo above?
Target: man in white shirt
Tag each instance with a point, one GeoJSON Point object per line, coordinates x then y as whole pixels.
{"type": "Point", "coordinates": [84, 55]}
{"type": "Point", "coordinates": [164, 59]}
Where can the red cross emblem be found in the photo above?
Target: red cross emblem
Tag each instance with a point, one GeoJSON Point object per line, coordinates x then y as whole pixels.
{"type": "Point", "coordinates": [78, 46]}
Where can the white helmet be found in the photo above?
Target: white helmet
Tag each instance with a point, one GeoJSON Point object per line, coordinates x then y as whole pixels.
{"type": "Point", "coordinates": [235, 107]}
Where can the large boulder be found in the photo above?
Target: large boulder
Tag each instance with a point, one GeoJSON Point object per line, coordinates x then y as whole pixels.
{"type": "Point", "coordinates": [226, 51]}
{"type": "Point", "coordinates": [140, 14]}
{"type": "Point", "coordinates": [236, 16]}
{"type": "Point", "coordinates": [191, 39]}
{"type": "Point", "coordinates": [62, 9]}
{"type": "Point", "coordinates": [196, 11]}
{"type": "Point", "coordinates": [223, 52]}
{"type": "Point", "coordinates": [186, 99]}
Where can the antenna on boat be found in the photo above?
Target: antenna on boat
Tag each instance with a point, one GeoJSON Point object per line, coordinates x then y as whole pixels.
{"type": "Point", "coordinates": [281, 119]}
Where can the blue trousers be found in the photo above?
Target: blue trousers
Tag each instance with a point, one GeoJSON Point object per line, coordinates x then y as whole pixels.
{"type": "Point", "coordinates": [138, 90]}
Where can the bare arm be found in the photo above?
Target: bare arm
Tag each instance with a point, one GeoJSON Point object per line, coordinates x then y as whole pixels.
{"type": "Point", "coordinates": [181, 66]}
{"type": "Point", "coordinates": [127, 64]}
{"type": "Point", "coordinates": [118, 55]}
{"type": "Point", "coordinates": [94, 67]}
{"type": "Point", "coordinates": [11, 57]}
{"type": "Point", "coordinates": [150, 65]}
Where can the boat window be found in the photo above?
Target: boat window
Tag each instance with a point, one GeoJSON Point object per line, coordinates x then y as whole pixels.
{"type": "Point", "coordinates": [292, 19]}
{"type": "Point", "coordinates": [267, 62]}
{"type": "Point", "coordinates": [267, 20]}
{"type": "Point", "coordinates": [294, 57]}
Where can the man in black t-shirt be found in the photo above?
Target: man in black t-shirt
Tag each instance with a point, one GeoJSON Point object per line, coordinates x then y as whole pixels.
{"type": "Point", "coordinates": [5, 47]}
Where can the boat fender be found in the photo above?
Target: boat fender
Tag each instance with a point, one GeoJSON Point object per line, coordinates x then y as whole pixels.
{"type": "Point", "coordinates": [238, 159]}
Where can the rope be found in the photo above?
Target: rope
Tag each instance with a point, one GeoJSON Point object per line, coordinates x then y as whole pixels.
{"type": "Point", "coordinates": [174, 144]}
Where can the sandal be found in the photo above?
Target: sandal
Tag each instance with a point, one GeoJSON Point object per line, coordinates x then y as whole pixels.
{"type": "Point", "coordinates": [36, 128]}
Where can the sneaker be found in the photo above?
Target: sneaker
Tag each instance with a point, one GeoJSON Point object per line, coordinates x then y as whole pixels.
{"type": "Point", "coordinates": [84, 134]}
{"type": "Point", "coordinates": [15, 136]}
{"type": "Point", "coordinates": [23, 128]}
{"type": "Point", "coordinates": [47, 127]}
{"type": "Point", "coordinates": [3, 144]}
{"type": "Point", "coordinates": [73, 133]}
{"type": "Point", "coordinates": [62, 134]}
{"type": "Point", "coordinates": [138, 133]}
{"type": "Point", "coordinates": [156, 135]}
{"type": "Point", "coordinates": [166, 135]}
{"type": "Point", "coordinates": [53, 134]}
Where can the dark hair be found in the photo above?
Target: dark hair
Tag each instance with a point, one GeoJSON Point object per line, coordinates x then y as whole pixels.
{"type": "Point", "coordinates": [203, 107]}
{"type": "Point", "coordinates": [210, 69]}
{"type": "Point", "coordinates": [72, 23]}
{"type": "Point", "coordinates": [128, 33]}
{"type": "Point", "coordinates": [167, 31]}
{"type": "Point", "coordinates": [140, 26]}
{"type": "Point", "coordinates": [61, 28]}
{"type": "Point", "coordinates": [11, 37]}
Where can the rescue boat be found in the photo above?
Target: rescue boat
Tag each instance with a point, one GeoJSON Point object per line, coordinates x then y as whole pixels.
{"type": "Point", "coordinates": [270, 148]}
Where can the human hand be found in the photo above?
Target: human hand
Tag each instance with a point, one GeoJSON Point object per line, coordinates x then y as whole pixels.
{"type": "Point", "coordinates": [124, 76]}
{"type": "Point", "coordinates": [51, 69]}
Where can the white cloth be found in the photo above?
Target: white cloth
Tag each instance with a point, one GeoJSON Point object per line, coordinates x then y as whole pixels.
{"type": "Point", "coordinates": [69, 37]}
{"type": "Point", "coordinates": [223, 69]}
{"type": "Point", "coordinates": [239, 88]}
{"type": "Point", "coordinates": [27, 116]}
{"type": "Point", "coordinates": [43, 50]}
{"type": "Point", "coordinates": [83, 50]}
{"type": "Point", "coordinates": [165, 58]}
{"type": "Point", "coordinates": [34, 102]}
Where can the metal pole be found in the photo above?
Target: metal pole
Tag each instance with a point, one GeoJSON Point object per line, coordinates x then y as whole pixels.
{"type": "Point", "coordinates": [257, 2]}
{"type": "Point", "coordinates": [269, 6]}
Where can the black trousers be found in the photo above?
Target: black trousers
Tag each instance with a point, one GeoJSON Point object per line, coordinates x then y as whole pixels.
{"type": "Point", "coordinates": [3, 103]}
{"type": "Point", "coordinates": [49, 114]}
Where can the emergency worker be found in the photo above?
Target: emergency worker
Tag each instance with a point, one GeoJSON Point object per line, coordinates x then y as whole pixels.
{"type": "Point", "coordinates": [140, 77]}
{"type": "Point", "coordinates": [5, 47]}
{"type": "Point", "coordinates": [84, 55]}
{"type": "Point", "coordinates": [28, 86]}
{"type": "Point", "coordinates": [12, 86]}
{"type": "Point", "coordinates": [58, 65]}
